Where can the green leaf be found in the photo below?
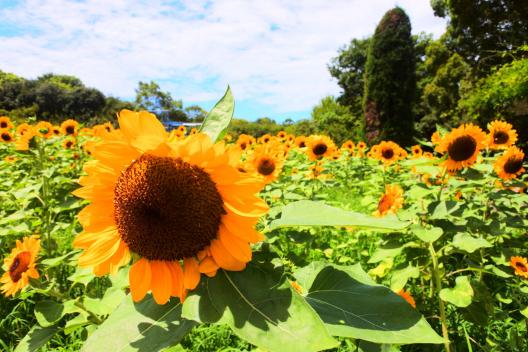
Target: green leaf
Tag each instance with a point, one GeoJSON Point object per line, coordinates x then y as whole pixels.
{"type": "Point", "coordinates": [218, 119]}
{"type": "Point", "coordinates": [461, 295]}
{"type": "Point", "coordinates": [468, 243]}
{"type": "Point", "coordinates": [144, 326]}
{"type": "Point", "coordinates": [261, 307]}
{"type": "Point", "coordinates": [353, 305]}
{"type": "Point", "coordinates": [36, 338]}
{"type": "Point", "coordinates": [427, 234]}
{"type": "Point", "coordinates": [400, 277]}
{"type": "Point", "coordinates": [365, 346]}
{"type": "Point", "coordinates": [310, 213]}
{"type": "Point", "coordinates": [440, 210]}
{"type": "Point", "coordinates": [106, 305]}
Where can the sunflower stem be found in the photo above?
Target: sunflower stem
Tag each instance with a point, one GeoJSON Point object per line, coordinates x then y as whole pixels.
{"type": "Point", "coordinates": [44, 197]}
{"type": "Point", "coordinates": [438, 288]}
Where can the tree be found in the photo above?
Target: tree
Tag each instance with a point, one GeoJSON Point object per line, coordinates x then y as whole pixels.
{"type": "Point", "coordinates": [150, 97]}
{"type": "Point", "coordinates": [484, 31]}
{"type": "Point", "coordinates": [349, 69]}
{"type": "Point", "coordinates": [336, 121]}
{"type": "Point", "coordinates": [390, 80]}
{"type": "Point", "coordinates": [195, 113]}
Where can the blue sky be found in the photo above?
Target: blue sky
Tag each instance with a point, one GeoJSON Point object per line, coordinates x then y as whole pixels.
{"type": "Point", "coordinates": [273, 53]}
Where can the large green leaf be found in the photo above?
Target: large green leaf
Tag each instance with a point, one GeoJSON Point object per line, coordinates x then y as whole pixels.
{"type": "Point", "coordinates": [36, 338]}
{"type": "Point", "coordinates": [461, 295]}
{"type": "Point", "coordinates": [427, 234]}
{"type": "Point", "coordinates": [353, 305]}
{"type": "Point", "coordinates": [49, 312]}
{"type": "Point", "coordinates": [310, 213]}
{"type": "Point", "coordinates": [144, 326]}
{"type": "Point", "coordinates": [217, 120]}
{"type": "Point", "coordinates": [468, 243]}
{"type": "Point", "coordinates": [261, 307]}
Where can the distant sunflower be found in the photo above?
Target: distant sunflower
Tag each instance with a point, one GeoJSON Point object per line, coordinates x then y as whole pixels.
{"type": "Point", "coordinates": [361, 146]}
{"type": "Point", "coordinates": [70, 127]}
{"type": "Point", "coordinates": [44, 129]}
{"type": "Point", "coordinates": [193, 131]}
{"type": "Point", "coordinates": [264, 139]}
{"type": "Point", "coordinates": [501, 135]}
{"type": "Point", "coordinates": [243, 142]}
{"type": "Point", "coordinates": [266, 163]}
{"type": "Point", "coordinates": [56, 130]}
{"type": "Point", "coordinates": [319, 147]}
{"type": "Point", "coordinates": [428, 155]}
{"type": "Point", "coordinates": [388, 152]}
{"type": "Point", "coordinates": [300, 141]}
{"type": "Point", "coordinates": [407, 296]}
{"type": "Point", "coordinates": [23, 128]}
{"type": "Point", "coordinates": [20, 266]}
{"type": "Point", "coordinates": [520, 264]}
{"type": "Point", "coordinates": [68, 143]}
{"type": "Point", "coordinates": [416, 151]}
{"type": "Point", "coordinates": [390, 201]}
{"type": "Point", "coordinates": [6, 136]}
{"type": "Point", "coordinates": [510, 164]}
{"type": "Point", "coordinates": [23, 141]}
{"type": "Point", "coordinates": [167, 205]}
{"type": "Point", "coordinates": [282, 134]}
{"type": "Point", "coordinates": [10, 159]}
{"type": "Point", "coordinates": [5, 123]}
{"type": "Point", "coordinates": [182, 129]}
{"type": "Point", "coordinates": [349, 146]}
{"type": "Point", "coordinates": [462, 146]}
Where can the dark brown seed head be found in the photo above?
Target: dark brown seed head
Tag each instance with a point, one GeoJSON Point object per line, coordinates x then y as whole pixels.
{"type": "Point", "coordinates": [500, 137]}
{"type": "Point", "coordinates": [266, 166]}
{"type": "Point", "coordinates": [513, 165]}
{"type": "Point", "coordinates": [462, 148]}
{"type": "Point", "coordinates": [319, 149]}
{"type": "Point", "coordinates": [387, 153]}
{"type": "Point", "coordinates": [19, 266]}
{"type": "Point", "coordinates": [166, 208]}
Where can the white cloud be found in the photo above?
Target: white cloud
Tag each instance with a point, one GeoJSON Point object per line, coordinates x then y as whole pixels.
{"type": "Point", "coordinates": [195, 48]}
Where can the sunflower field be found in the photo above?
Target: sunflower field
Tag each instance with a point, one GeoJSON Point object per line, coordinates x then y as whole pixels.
{"type": "Point", "coordinates": [128, 237]}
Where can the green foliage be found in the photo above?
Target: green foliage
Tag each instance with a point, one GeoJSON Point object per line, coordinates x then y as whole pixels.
{"type": "Point", "coordinates": [337, 121]}
{"type": "Point", "coordinates": [149, 96]}
{"type": "Point", "coordinates": [390, 80]}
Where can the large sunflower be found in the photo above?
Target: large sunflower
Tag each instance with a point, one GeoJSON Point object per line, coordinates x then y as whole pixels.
{"type": "Point", "coordinates": [5, 123]}
{"type": "Point", "coordinates": [167, 205]}
{"type": "Point", "coordinates": [501, 135]}
{"type": "Point", "coordinates": [462, 146]}
{"type": "Point", "coordinates": [20, 266]}
{"type": "Point", "coordinates": [319, 147]}
{"type": "Point", "coordinates": [70, 127]}
{"type": "Point", "coordinates": [390, 201]}
{"type": "Point", "coordinates": [520, 265]}
{"type": "Point", "coordinates": [510, 164]}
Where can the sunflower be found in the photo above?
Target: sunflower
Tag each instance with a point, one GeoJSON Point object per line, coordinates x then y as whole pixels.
{"type": "Point", "coordinates": [388, 152]}
{"type": "Point", "coordinates": [6, 136]}
{"type": "Point", "coordinates": [407, 296]}
{"type": "Point", "coordinates": [520, 264]}
{"type": "Point", "coordinates": [361, 146]}
{"type": "Point", "coordinates": [348, 146]}
{"type": "Point", "coordinates": [56, 130]}
{"type": "Point", "coordinates": [44, 129]}
{"type": "Point", "coordinates": [20, 266]}
{"type": "Point", "coordinates": [193, 131]}
{"type": "Point", "coordinates": [266, 162]}
{"type": "Point", "coordinates": [416, 151]}
{"type": "Point", "coordinates": [462, 146]}
{"type": "Point", "coordinates": [319, 147]}
{"type": "Point", "coordinates": [167, 205]}
{"type": "Point", "coordinates": [23, 128]}
{"type": "Point", "coordinates": [68, 143]}
{"type": "Point", "coordinates": [264, 138]}
{"type": "Point", "coordinates": [436, 138]}
{"type": "Point", "coordinates": [390, 201]}
{"type": "Point", "coordinates": [23, 142]}
{"type": "Point", "coordinates": [510, 164]}
{"type": "Point", "coordinates": [300, 141]}
{"type": "Point", "coordinates": [501, 135]}
{"type": "Point", "coordinates": [10, 159]}
{"type": "Point", "coordinates": [243, 142]}
{"type": "Point", "coordinates": [5, 123]}
{"type": "Point", "coordinates": [428, 155]}
{"type": "Point", "coordinates": [70, 127]}
{"type": "Point", "coordinates": [282, 134]}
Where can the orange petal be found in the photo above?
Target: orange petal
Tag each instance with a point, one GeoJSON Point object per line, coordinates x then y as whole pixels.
{"type": "Point", "coordinates": [177, 279]}
{"type": "Point", "coordinates": [223, 258]}
{"type": "Point", "coordinates": [208, 265]}
{"type": "Point", "coordinates": [161, 282]}
{"type": "Point", "coordinates": [101, 250]}
{"type": "Point", "coordinates": [139, 277]}
{"type": "Point", "coordinates": [191, 273]}
{"type": "Point", "coordinates": [237, 247]}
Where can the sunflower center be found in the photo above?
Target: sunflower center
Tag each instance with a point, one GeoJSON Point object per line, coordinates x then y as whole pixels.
{"type": "Point", "coordinates": [500, 137]}
{"type": "Point", "coordinates": [266, 166]}
{"type": "Point", "coordinates": [387, 153]}
{"type": "Point", "coordinates": [320, 149]}
{"type": "Point", "coordinates": [521, 267]}
{"type": "Point", "coordinates": [302, 144]}
{"type": "Point", "coordinates": [19, 266]}
{"type": "Point", "coordinates": [70, 130]}
{"type": "Point", "coordinates": [69, 144]}
{"type": "Point", "coordinates": [462, 148]}
{"type": "Point", "coordinates": [3, 124]}
{"type": "Point", "coordinates": [166, 208]}
{"type": "Point", "coordinates": [243, 146]}
{"type": "Point", "coordinates": [6, 137]}
{"type": "Point", "coordinates": [513, 165]}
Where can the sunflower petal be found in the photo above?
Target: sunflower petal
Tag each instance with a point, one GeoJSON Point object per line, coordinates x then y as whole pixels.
{"type": "Point", "coordinates": [140, 277]}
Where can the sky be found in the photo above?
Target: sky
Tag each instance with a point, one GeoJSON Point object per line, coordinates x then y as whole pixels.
{"type": "Point", "coordinates": [273, 53]}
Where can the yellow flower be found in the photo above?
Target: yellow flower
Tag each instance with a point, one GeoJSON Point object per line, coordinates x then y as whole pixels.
{"type": "Point", "coordinates": [510, 164]}
{"type": "Point", "coordinates": [44, 129]}
{"type": "Point", "coordinates": [5, 123]}
{"type": "Point", "coordinates": [501, 135]}
{"type": "Point", "coordinates": [20, 266]}
{"type": "Point", "coordinates": [319, 147]}
{"type": "Point", "coordinates": [388, 152]}
{"type": "Point", "coordinates": [68, 143]}
{"type": "Point", "coordinates": [390, 201]}
{"type": "Point", "coordinates": [520, 264]}
{"type": "Point", "coordinates": [181, 207]}
{"type": "Point", "coordinates": [462, 146]}
{"type": "Point", "coordinates": [70, 127]}
{"type": "Point", "coordinates": [6, 136]}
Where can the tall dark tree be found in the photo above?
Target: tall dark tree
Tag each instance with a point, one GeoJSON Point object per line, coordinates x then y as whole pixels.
{"type": "Point", "coordinates": [484, 31]}
{"type": "Point", "coordinates": [390, 80]}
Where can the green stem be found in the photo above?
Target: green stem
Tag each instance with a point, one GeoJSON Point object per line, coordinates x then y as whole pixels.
{"type": "Point", "coordinates": [54, 293]}
{"type": "Point", "coordinates": [44, 197]}
{"type": "Point", "coordinates": [441, 306]}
